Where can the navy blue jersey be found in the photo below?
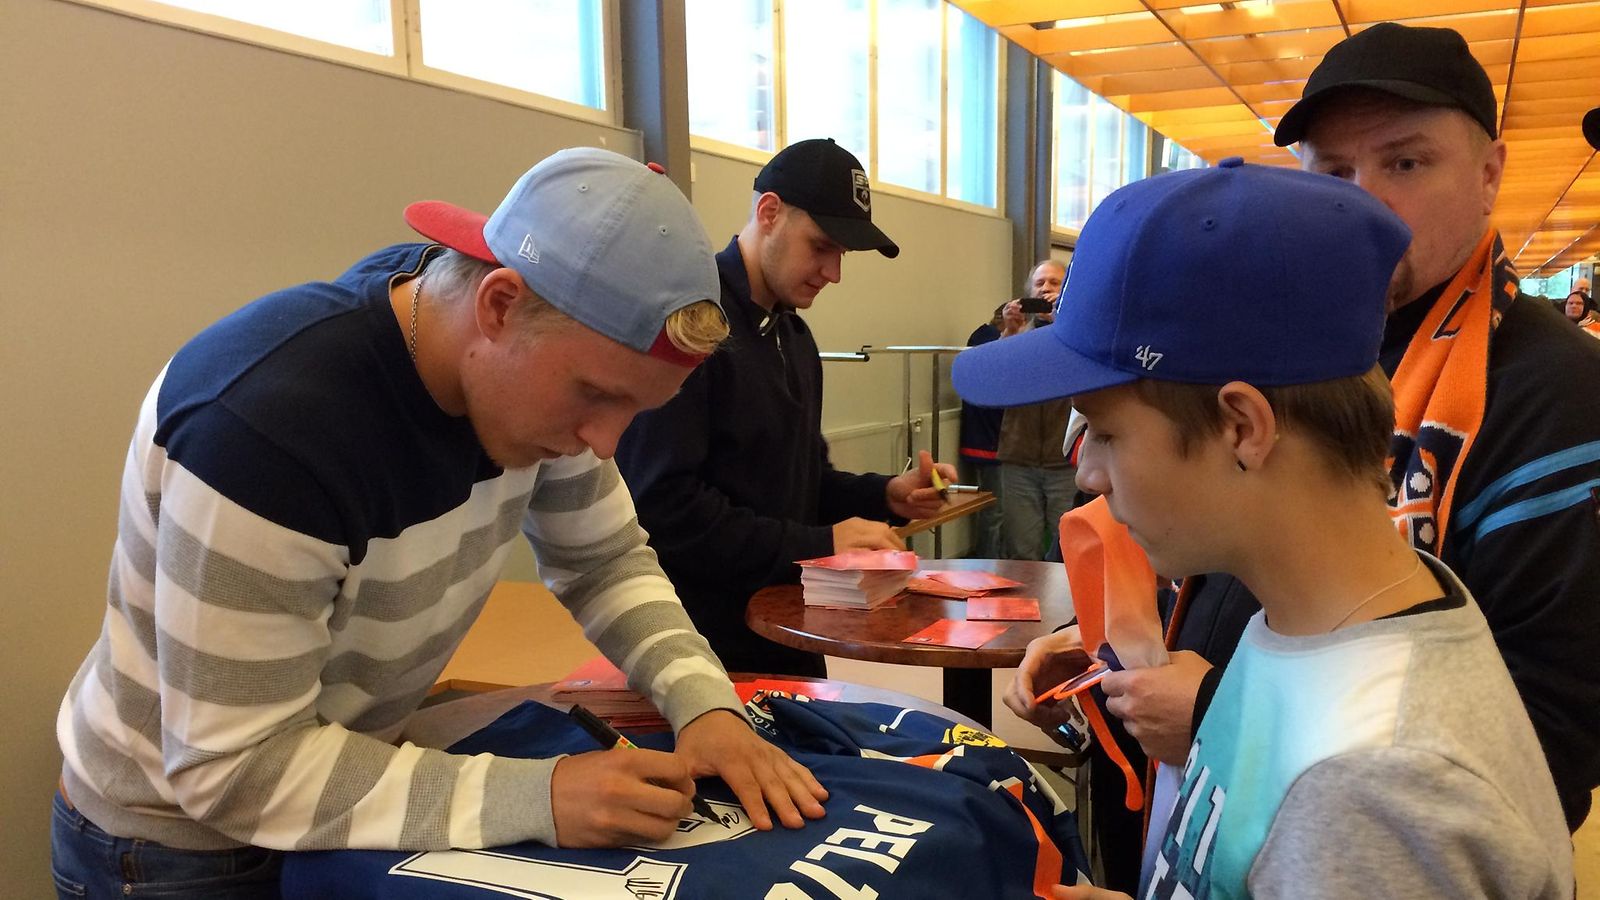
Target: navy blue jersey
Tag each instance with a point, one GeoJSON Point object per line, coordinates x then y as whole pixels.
{"type": "Point", "coordinates": [917, 807]}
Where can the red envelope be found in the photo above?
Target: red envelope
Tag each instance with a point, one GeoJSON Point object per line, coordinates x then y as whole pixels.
{"type": "Point", "coordinates": [1011, 609]}
{"type": "Point", "coordinates": [955, 633]}
{"type": "Point", "coordinates": [937, 589]}
{"type": "Point", "coordinates": [972, 581]}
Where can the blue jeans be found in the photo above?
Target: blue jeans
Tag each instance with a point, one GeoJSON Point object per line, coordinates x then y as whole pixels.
{"type": "Point", "coordinates": [87, 862]}
{"type": "Point", "coordinates": [1032, 501]}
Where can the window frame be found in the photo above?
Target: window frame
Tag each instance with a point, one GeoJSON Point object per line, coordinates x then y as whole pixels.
{"type": "Point", "coordinates": [405, 62]}
{"type": "Point", "coordinates": [780, 112]}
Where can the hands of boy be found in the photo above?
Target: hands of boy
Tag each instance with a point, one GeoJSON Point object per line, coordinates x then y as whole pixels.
{"type": "Point", "coordinates": [864, 534]}
{"type": "Point", "coordinates": [723, 744]}
{"type": "Point", "coordinates": [607, 798]}
{"type": "Point", "coordinates": [912, 495]}
{"type": "Point", "coordinates": [1049, 660]}
{"type": "Point", "coordinates": [1156, 704]}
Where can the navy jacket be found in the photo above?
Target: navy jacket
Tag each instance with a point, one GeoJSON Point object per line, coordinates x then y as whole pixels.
{"type": "Point", "coordinates": [731, 477]}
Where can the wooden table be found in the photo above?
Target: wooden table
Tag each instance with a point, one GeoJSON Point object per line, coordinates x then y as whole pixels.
{"type": "Point", "coordinates": [780, 614]}
{"type": "Point", "coordinates": [443, 724]}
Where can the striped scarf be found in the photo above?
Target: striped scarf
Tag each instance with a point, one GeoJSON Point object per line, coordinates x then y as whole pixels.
{"type": "Point", "coordinates": [1440, 389]}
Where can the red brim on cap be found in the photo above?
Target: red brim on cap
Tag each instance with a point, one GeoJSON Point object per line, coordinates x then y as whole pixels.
{"type": "Point", "coordinates": [450, 225]}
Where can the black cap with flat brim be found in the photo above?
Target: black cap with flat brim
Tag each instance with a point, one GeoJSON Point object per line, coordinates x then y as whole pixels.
{"type": "Point", "coordinates": [1428, 65]}
{"type": "Point", "coordinates": [830, 184]}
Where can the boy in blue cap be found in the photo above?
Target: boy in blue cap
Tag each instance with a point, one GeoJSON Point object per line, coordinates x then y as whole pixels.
{"type": "Point", "coordinates": [1238, 422]}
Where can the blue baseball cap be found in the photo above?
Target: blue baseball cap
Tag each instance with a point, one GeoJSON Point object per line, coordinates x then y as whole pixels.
{"type": "Point", "coordinates": [605, 239]}
{"type": "Point", "coordinates": [1260, 274]}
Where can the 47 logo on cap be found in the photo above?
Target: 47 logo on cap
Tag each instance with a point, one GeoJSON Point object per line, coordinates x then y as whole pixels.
{"type": "Point", "coordinates": [1147, 357]}
{"type": "Point", "coordinates": [862, 191]}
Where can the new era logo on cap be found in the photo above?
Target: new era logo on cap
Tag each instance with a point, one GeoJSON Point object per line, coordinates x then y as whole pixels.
{"type": "Point", "coordinates": [1267, 275]}
{"type": "Point", "coordinates": [606, 240]}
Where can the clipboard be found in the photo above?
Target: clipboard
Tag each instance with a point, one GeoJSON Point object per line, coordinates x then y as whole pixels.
{"type": "Point", "coordinates": [956, 506]}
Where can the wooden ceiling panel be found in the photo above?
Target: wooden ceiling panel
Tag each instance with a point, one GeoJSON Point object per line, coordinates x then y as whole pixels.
{"type": "Point", "coordinates": [1215, 77]}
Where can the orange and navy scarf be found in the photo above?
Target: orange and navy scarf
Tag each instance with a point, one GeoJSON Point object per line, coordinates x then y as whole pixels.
{"type": "Point", "coordinates": [1440, 390]}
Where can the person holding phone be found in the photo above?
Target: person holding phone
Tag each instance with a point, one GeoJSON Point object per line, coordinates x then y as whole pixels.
{"type": "Point", "coordinates": [1036, 479]}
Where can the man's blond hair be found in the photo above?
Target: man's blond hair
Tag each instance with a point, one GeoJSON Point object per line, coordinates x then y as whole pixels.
{"type": "Point", "coordinates": [696, 329]}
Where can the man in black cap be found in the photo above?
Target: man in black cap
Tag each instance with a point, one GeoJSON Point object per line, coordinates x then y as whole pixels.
{"type": "Point", "coordinates": [731, 478]}
{"type": "Point", "coordinates": [1496, 462]}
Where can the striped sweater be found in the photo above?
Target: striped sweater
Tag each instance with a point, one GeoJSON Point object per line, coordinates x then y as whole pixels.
{"type": "Point", "coordinates": [304, 537]}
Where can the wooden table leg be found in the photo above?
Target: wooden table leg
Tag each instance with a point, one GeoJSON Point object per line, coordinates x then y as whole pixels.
{"type": "Point", "coordinates": [968, 691]}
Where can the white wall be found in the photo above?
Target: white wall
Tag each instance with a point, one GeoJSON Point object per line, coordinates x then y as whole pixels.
{"type": "Point", "coordinates": [155, 179]}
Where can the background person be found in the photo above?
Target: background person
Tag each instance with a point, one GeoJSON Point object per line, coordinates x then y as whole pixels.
{"type": "Point", "coordinates": [1494, 461]}
{"type": "Point", "coordinates": [1341, 756]}
{"type": "Point", "coordinates": [1035, 475]}
{"type": "Point", "coordinates": [731, 476]}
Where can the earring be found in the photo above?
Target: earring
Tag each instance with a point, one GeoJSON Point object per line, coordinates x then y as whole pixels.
{"type": "Point", "coordinates": [1240, 462]}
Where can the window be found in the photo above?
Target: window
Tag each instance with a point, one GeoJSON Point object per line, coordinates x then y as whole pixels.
{"type": "Point", "coordinates": [550, 47]}
{"type": "Point", "coordinates": [911, 87]}
{"type": "Point", "coordinates": [910, 109]}
{"type": "Point", "coordinates": [545, 53]}
{"type": "Point", "coordinates": [731, 85]}
{"type": "Point", "coordinates": [825, 56]}
{"type": "Point", "coordinates": [1073, 140]}
{"type": "Point", "coordinates": [364, 25]}
{"type": "Point", "coordinates": [1099, 148]}
{"type": "Point", "coordinates": [1170, 157]}
{"type": "Point", "coordinates": [972, 140]}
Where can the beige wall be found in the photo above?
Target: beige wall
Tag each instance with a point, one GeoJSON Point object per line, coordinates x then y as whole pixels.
{"type": "Point", "coordinates": [154, 179]}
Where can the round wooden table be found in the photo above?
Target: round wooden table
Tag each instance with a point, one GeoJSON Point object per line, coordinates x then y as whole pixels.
{"type": "Point", "coordinates": [780, 614]}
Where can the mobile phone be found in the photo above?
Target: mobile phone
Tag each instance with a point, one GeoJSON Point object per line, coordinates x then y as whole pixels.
{"type": "Point", "coordinates": [1034, 305]}
{"type": "Point", "coordinates": [1076, 684]}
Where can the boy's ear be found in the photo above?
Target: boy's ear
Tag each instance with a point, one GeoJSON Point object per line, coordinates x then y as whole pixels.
{"type": "Point", "coordinates": [1248, 424]}
{"type": "Point", "coordinates": [498, 295]}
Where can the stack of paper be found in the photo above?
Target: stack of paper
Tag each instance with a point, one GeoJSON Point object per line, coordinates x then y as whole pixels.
{"type": "Point", "coordinates": [856, 579]}
{"type": "Point", "coordinates": [601, 688]}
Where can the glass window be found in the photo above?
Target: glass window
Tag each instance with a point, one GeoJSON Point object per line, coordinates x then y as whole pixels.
{"type": "Point", "coordinates": [972, 142]}
{"type": "Point", "coordinates": [550, 47]}
{"type": "Point", "coordinates": [1072, 142]}
{"type": "Point", "coordinates": [910, 42]}
{"type": "Point", "coordinates": [1105, 173]}
{"type": "Point", "coordinates": [1135, 150]}
{"type": "Point", "coordinates": [359, 24]}
{"type": "Point", "coordinates": [731, 72]}
{"type": "Point", "coordinates": [825, 54]}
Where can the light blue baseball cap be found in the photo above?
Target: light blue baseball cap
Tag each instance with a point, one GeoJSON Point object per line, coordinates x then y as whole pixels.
{"type": "Point", "coordinates": [607, 240]}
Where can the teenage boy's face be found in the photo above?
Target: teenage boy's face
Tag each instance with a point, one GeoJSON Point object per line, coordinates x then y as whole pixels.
{"type": "Point", "coordinates": [1168, 501]}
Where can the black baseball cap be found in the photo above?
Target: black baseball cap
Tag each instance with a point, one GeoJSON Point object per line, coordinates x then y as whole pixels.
{"type": "Point", "coordinates": [827, 181]}
{"type": "Point", "coordinates": [1591, 127]}
{"type": "Point", "coordinates": [1429, 65]}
